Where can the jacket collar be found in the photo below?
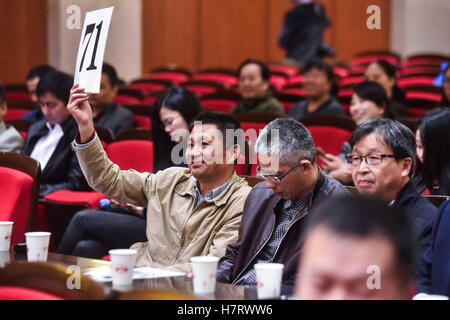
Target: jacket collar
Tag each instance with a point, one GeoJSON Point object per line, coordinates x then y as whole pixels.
{"type": "Point", "coordinates": [406, 193]}
{"type": "Point", "coordinates": [186, 187]}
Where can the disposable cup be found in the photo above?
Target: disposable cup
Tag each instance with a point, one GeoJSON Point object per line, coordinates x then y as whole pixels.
{"type": "Point", "coordinates": [268, 279]}
{"type": "Point", "coordinates": [204, 273]}
{"type": "Point", "coordinates": [123, 261]}
{"type": "Point", "coordinates": [5, 235]}
{"type": "Point", "coordinates": [37, 245]}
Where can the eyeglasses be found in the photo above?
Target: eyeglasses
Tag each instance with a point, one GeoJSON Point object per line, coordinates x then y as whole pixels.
{"type": "Point", "coordinates": [371, 160]}
{"type": "Point", "coordinates": [274, 178]}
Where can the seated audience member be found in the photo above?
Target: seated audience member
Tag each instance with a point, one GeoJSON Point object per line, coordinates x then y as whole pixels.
{"type": "Point", "coordinates": [190, 211]}
{"type": "Point", "coordinates": [369, 101]}
{"type": "Point", "coordinates": [48, 140]}
{"type": "Point", "coordinates": [33, 77]}
{"type": "Point", "coordinates": [383, 153]}
{"type": "Point", "coordinates": [446, 87]}
{"type": "Point", "coordinates": [320, 90]}
{"type": "Point", "coordinates": [358, 248]}
{"type": "Point", "coordinates": [253, 77]}
{"type": "Point", "coordinates": [434, 270]}
{"type": "Point", "coordinates": [10, 139]}
{"type": "Point", "coordinates": [384, 73]}
{"type": "Point", "coordinates": [176, 108]}
{"type": "Point", "coordinates": [106, 112]}
{"type": "Point", "coordinates": [92, 233]}
{"type": "Point", "coordinates": [432, 175]}
{"type": "Point", "coordinates": [276, 210]}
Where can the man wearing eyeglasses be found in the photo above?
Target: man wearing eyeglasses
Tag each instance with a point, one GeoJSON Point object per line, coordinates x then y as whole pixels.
{"type": "Point", "coordinates": [383, 153]}
{"type": "Point", "coordinates": [273, 221]}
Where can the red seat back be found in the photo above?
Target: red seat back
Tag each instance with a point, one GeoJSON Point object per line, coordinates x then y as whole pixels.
{"type": "Point", "coordinates": [19, 293]}
{"type": "Point", "coordinates": [124, 100]}
{"type": "Point", "coordinates": [220, 105]}
{"type": "Point", "coordinates": [15, 114]}
{"type": "Point", "coordinates": [132, 154]}
{"type": "Point", "coordinates": [225, 79]}
{"type": "Point", "coordinates": [16, 188]}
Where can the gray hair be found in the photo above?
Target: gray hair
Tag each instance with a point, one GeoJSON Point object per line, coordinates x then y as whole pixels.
{"type": "Point", "coordinates": [287, 138]}
{"type": "Point", "coordinates": [395, 134]}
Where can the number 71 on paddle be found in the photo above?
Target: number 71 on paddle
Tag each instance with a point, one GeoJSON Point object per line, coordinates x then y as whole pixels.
{"type": "Point", "coordinates": [88, 69]}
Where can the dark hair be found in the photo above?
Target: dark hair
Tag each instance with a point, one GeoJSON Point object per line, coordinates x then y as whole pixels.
{"type": "Point", "coordinates": [364, 217]}
{"type": "Point", "coordinates": [395, 134]}
{"type": "Point", "coordinates": [445, 100]}
{"type": "Point", "coordinates": [434, 129]}
{"type": "Point", "coordinates": [111, 74]}
{"type": "Point", "coordinates": [325, 68]}
{"type": "Point", "coordinates": [223, 122]}
{"type": "Point", "coordinates": [2, 95]}
{"type": "Point", "coordinates": [265, 72]}
{"type": "Point", "coordinates": [391, 71]}
{"type": "Point", "coordinates": [39, 71]}
{"type": "Point", "coordinates": [56, 82]}
{"type": "Point", "coordinates": [373, 91]}
{"type": "Point", "coordinates": [175, 98]}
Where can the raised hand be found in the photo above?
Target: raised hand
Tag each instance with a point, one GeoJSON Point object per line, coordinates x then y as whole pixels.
{"type": "Point", "coordinates": [81, 111]}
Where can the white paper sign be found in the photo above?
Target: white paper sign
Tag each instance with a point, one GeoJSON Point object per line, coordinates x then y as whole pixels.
{"type": "Point", "coordinates": [88, 70]}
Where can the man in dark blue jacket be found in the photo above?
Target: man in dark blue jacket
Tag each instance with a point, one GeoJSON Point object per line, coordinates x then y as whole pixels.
{"type": "Point", "coordinates": [434, 270]}
{"type": "Point", "coordinates": [383, 153]}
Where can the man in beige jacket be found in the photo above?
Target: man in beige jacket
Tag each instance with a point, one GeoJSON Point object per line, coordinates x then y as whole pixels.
{"type": "Point", "coordinates": [190, 212]}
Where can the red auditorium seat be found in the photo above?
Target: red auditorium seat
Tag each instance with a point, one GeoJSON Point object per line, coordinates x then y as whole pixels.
{"type": "Point", "coordinates": [142, 114]}
{"type": "Point", "coordinates": [364, 58]}
{"type": "Point", "coordinates": [222, 101]}
{"type": "Point", "coordinates": [174, 75]}
{"type": "Point", "coordinates": [278, 79]}
{"type": "Point", "coordinates": [223, 76]}
{"type": "Point", "coordinates": [424, 59]}
{"type": "Point", "coordinates": [19, 293]}
{"type": "Point", "coordinates": [17, 92]}
{"type": "Point", "coordinates": [150, 85]}
{"type": "Point", "coordinates": [415, 81]}
{"type": "Point", "coordinates": [290, 71]}
{"type": "Point", "coordinates": [202, 87]}
{"type": "Point", "coordinates": [132, 154]}
{"type": "Point", "coordinates": [19, 186]}
{"type": "Point", "coordinates": [297, 79]}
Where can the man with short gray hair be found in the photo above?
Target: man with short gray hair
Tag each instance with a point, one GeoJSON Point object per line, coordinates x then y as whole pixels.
{"type": "Point", "coordinates": [275, 212]}
{"type": "Point", "coordinates": [383, 153]}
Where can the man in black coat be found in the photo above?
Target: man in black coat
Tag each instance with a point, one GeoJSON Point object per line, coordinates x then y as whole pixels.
{"type": "Point", "coordinates": [302, 31]}
{"type": "Point", "coordinates": [48, 140]}
{"type": "Point", "coordinates": [383, 153]}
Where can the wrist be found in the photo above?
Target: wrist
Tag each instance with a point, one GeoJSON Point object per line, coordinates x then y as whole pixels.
{"type": "Point", "coordinates": [86, 132]}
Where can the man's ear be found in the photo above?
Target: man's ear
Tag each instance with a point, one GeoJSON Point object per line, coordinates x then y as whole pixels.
{"type": "Point", "coordinates": [406, 166]}
{"type": "Point", "coordinates": [233, 154]}
{"type": "Point", "coordinates": [115, 90]}
{"type": "Point", "coordinates": [306, 165]}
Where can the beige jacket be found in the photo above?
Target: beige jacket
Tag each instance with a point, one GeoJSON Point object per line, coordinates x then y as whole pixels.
{"type": "Point", "coordinates": [176, 230]}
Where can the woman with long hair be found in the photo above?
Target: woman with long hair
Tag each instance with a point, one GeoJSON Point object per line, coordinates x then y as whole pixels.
{"type": "Point", "coordinates": [174, 109]}
{"type": "Point", "coordinates": [432, 175]}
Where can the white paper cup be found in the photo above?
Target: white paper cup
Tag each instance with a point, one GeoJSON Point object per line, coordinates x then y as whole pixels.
{"type": "Point", "coordinates": [4, 258]}
{"type": "Point", "coordinates": [37, 245]}
{"type": "Point", "coordinates": [5, 235]}
{"type": "Point", "coordinates": [268, 279]}
{"type": "Point", "coordinates": [123, 261]}
{"type": "Point", "coordinates": [204, 273]}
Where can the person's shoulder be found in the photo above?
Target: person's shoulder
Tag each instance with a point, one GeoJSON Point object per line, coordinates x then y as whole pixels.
{"type": "Point", "coordinates": [123, 111]}
{"type": "Point", "coordinates": [298, 109]}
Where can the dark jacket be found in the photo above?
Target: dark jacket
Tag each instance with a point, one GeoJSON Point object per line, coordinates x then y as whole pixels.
{"type": "Point", "coordinates": [115, 118]}
{"type": "Point", "coordinates": [332, 107]}
{"type": "Point", "coordinates": [420, 210]}
{"type": "Point", "coordinates": [302, 31]}
{"type": "Point", "coordinates": [266, 103]}
{"type": "Point", "coordinates": [434, 269]}
{"type": "Point", "coordinates": [62, 170]}
{"type": "Point", "coordinates": [258, 222]}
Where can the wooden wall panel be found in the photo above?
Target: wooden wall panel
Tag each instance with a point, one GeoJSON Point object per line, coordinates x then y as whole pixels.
{"type": "Point", "coordinates": [232, 31]}
{"type": "Point", "coordinates": [170, 33]}
{"type": "Point", "coordinates": [209, 33]}
{"type": "Point", "coordinates": [24, 38]}
{"type": "Point", "coordinates": [350, 33]}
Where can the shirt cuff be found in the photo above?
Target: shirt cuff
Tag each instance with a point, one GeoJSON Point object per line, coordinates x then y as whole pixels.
{"type": "Point", "coordinates": [77, 143]}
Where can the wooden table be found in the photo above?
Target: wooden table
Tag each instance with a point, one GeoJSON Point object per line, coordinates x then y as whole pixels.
{"type": "Point", "coordinates": [180, 283]}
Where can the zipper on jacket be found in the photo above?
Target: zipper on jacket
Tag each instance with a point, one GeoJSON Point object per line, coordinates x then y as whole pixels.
{"type": "Point", "coordinates": [268, 238]}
